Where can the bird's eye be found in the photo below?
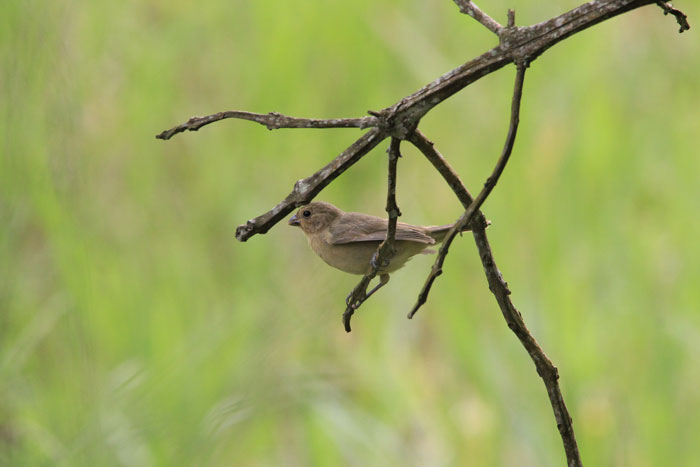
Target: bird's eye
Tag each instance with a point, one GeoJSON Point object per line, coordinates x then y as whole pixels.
{"type": "Point", "coordinates": [306, 213]}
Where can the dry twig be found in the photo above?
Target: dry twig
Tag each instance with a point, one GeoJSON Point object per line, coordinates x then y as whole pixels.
{"type": "Point", "coordinates": [681, 17]}
{"type": "Point", "coordinates": [272, 121]}
{"type": "Point", "coordinates": [469, 8]}
{"type": "Point", "coordinates": [385, 251]}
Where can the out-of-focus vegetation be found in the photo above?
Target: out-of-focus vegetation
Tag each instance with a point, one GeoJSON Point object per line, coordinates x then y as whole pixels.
{"type": "Point", "coordinates": [135, 330]}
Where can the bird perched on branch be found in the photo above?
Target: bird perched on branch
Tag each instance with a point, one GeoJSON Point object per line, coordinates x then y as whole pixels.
{"type": "Point", "coordinates": [348, 240]}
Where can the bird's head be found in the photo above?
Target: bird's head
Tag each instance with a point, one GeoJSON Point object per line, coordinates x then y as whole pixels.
{"type": "Point", "coordinates": [315, 217]}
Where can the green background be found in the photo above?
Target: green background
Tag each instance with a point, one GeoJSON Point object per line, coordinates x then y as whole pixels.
{"type": "Point", "coordinates": [136, 331]}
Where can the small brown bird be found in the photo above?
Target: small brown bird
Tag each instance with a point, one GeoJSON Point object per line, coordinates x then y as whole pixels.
{"type": "Point", "coordinates": [348, 240]}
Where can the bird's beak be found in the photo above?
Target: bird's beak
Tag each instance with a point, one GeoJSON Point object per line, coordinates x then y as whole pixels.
{"type": "Point", "coordinates": [294, 220]}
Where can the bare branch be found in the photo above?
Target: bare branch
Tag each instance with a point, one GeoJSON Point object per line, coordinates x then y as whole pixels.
{"type": "Point", "coordinates": [519, 45]}
{"type": "Point", "coordinates": [545, 368]}
{"type": "Point", "coordinates": [307, 188]}
{"type": "Point", "coordinates": [681, 17]}
{"type": "Point", "coordinates": [272, 121]}
{"type": "Point", "coordinates": [386, 250]}
{"type": "Point", "coordinates": [469, 8]}
{"type": "Point", "coordinates": [475, 205]}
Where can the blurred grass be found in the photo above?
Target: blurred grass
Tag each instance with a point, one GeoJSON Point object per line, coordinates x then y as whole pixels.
{"type": "Point", "coordinates": [135, 331]}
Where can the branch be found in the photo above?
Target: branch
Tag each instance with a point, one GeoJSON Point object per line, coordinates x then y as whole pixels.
{"type": "Point", "coordinates": [474, 206]}
{"type": "Point", "coordinates": [272, 121]}
{"type": "Point", "coordinates": [469, 8]}
{"type": "Point", "coordinates": [681, 18]}
{"type": "Point", "coordinates": [307, 188]}
{"type": "Point", "coordinates": [498, 286]}
{"type": "Point", "coordinates": [386, 250]}
{"type": "Point", "coordinates": [545, 368]}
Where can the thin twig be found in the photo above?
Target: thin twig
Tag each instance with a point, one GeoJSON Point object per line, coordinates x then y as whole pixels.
{"type": "Point", "coordinates": [475, 205]}
{"type": "Point", "coordinates": [511, 18]}
{"type": "Point", "coordinates": [272, 121]}
{"type": "Point", "coordinates": [385, 251]}
{"type": "Point", "coordinates": [681, 17]}
{"type": "Point", "coordinates": [469, 8]}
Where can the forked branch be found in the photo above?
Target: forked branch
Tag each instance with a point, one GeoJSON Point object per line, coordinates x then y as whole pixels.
{"type": "Point", "coordinates": [519, 45]}
{"type": "Point", "coordinates": [498, 286]}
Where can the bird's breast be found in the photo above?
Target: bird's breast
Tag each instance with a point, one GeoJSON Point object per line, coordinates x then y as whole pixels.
{"type": "Point", "coordinates": [354, 257]}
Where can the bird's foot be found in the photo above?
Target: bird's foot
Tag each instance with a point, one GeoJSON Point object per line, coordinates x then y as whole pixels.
{"type": "Point", "coordinates": [354, 302]}
{"type": "Point", "coordinates": [375, 263]}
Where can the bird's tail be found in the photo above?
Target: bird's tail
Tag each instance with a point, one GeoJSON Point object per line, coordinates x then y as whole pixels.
{"type": "Point", "coordinates": [438, 232]}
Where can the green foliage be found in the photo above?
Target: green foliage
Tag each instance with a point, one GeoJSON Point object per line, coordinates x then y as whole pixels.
{"type": "Point", "coordinates": [135, 330]}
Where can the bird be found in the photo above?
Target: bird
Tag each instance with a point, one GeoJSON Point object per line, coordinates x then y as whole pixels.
{"type": "Point", "coordinates": [349, 240]}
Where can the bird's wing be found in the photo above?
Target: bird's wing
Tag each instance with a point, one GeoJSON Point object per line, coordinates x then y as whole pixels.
{"type": "Point", "coordinates": [356, 227]}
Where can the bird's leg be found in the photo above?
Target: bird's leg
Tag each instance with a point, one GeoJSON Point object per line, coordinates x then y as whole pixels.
{"type": "Point", "coordinates": [383, 280]}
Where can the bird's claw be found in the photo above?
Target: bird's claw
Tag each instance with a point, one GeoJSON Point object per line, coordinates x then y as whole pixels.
{"type": "Point", "coordinates": [354, 304]}
{"type": "Point", "coordinates": [375, 263]}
